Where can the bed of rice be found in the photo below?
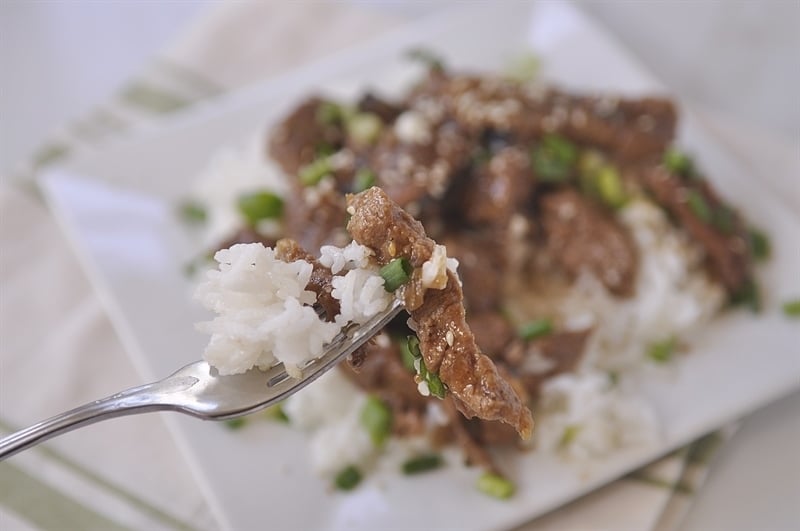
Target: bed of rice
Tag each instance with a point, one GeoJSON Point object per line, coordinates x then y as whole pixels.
{"type": "Point", "coordinates": [584, 415]}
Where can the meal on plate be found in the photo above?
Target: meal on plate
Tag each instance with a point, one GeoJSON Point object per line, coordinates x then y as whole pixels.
{"type": "Point", "coordinates": [563, 244]}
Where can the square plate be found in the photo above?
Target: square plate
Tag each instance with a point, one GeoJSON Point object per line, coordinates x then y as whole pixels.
{"type": "Point", "coordinates": [117, 208]}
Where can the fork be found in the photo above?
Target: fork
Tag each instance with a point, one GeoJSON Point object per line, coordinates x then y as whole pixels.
{"type": "Point", "coordinates": [200, 391]}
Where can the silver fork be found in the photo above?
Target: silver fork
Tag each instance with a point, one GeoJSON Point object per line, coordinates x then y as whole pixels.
{"type": "Point", "coordinates": [198, 390]}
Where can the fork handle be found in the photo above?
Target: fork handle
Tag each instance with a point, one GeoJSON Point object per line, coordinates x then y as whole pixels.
{"type": "Point", "coordinates": [141, 399]}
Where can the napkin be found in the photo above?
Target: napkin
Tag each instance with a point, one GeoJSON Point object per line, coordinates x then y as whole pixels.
{"type": "Point", "coordinates": [58, 349]}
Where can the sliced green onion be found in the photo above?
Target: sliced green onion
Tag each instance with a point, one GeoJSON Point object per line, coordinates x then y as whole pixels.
{"type": "Point", "coordinates": [260, 205]}
{"type": "Point", "coordinates": [364, 179]}
{"type": "Point", "coordinates": [759, 244]}
{"type": "Point", "coordinates": [495, 486]}
{"type": "Point", "coordinates": [662, 351]}
{"type": "Point", "coordinates": [698, 205]}
{"type": "Point", "coordinates": [613, 377]}
{"type": "Point", "coordinates": [589, 164]}
{"type": "Point", "coordinates": [723, 219]}
{"type": "Point", "coordinates": [422, 463]}
{"type": "Point", "coordinates": [554, 158]}
{"type": "Point", "coordinates": [396, 273]}
{"type": "Point", "coordinates": [376, 418]}
{"type": "Point", "coordinates": [324, 150]}
{"type": "Point", "coordinates": [193, 212]}
{"type": "Point", "coordinates": [534, 329]}
{"type": "Point", "coordinates": [435, 385]}
{"type": "Point", "coordinates": [329, 113]}
{"type": "Point", "coordinates": [313, 173]}
{"type": "Point", "coordinates": [569, 435]}
{"type": "Point", "coordinates": [792, 308]}
{"type": "Point", "coordinates": [413, 347]}
{"type": "Point", "coordinates": [406, 355]}
{"type": "Point", "coordinates": [748, 295]}
{"type": "Point", "coordinates": [276, 413]}
{"type": "Point", "coordinates": [235, 424]}
{"type": "Point", "coordinates": [364, 128]}
{"type": "Point", "coordinates": [609, 186]}
{"type": "Point", "coordinates": [426, 57]}
{"type": "Point", "coordinates": [348, 478]}
{"type": "Point", "coordinates": [678, 163]}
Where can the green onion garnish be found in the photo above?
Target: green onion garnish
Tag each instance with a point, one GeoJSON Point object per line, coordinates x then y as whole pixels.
{"type": "Point", "coordinates": [534, 329]}
{"type": "Point", "coordinates": [348, 478]}
{"type": "Point", "coordinates": [260, 205]}
{"type": "Point", "coordinates": [495, 486]}
{"type": "Point", "coordinates": [313, 173]}
{"type": "Point", "coordinates": [678, 163]}
{"type": "Point", "coordinates": [364, 178]}
{"type": "Point", "coordinates": [276, 413]}
{"type": "Point", "coordinates": [235, 424]}
{"type": "Point", "coordinates": [422, 463]}
{"type": "Point", "coordinates": [569, 435]}
{"type": "Point", "coordinates": [792, 308]}
{"type": "Point", "coordinates": [748, 295]}
{"type": "Point", "coordinates": [324, 150]}
{"type": "Point", "coordinates": [524, 68]}
{"type": "Point", "coordinates": [426, 57]}
{"type": "Point", "coordinates": [613, 377]}
{"type": "Point", "coordinates": [759, 244]}
{"type": "Point", "coordinates": [329, 113]}
{"type": "Point", "coordinates": [723, 219]}
{"type": "Point", "coordinates": [609, 186]}
{"type": "Point", "coordinates": [435, 385]}
{"type": "Point", "coordinates": [396, 273]}
{"type": "Point", "coordinates": [698, 205]}
{"type": "Point", "coordinates": [376, 418]}
{"type": "Point", "coordinates": [662, 351]}
{"type": "Point", "coordinates": [192, 212]}
{"type": "Point", "coordinates": [364, 128]}
{"type": "Point", "coordinates": [554, 158]}
{"type": "Point", "coordinates": [407, 356]}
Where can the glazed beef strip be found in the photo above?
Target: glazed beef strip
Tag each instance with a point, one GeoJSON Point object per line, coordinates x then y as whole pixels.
{"type": "Point", "coordinates": [582, 236]}
{"type": "Point", "coordinates": [447, 344]}
{"type": "Point", "coordinates": [630, 129]}
{"type": "Point", "coordinates": [716, 227]}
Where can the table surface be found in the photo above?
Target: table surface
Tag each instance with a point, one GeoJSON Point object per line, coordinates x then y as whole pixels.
{"type": "Point", "coordinates": [53, 71]}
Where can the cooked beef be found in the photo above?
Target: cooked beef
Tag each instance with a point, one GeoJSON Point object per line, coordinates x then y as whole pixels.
{"type": "Point", "coordinates": [385, 110]}
{"type": "Point", "coordinates": [481, 262]}
{"type": "Point", "coordinates": [499, 188]}
{"type": "Point", "coordinates": [630, 129]}
{"type": "Point", "coordinates": [561, 352]}
{"type": "Point", "coordinates": [289, 250]}
{"type": "Point", "coordinates": [581, 236]}
{"type": "Point", "coordinates": [382, 373]}
{"type": "Point", "coordinates": [299, 138]}
{"type": "Point", "coordinates": [410, 170]}
{"type": "Point", "coordinates": [716, 227]}
{"type": "Point", "coordinates": [474, 453]}
{"type": "Point", "coordinates": [492, 332]}
{"type": "Point", "coordinates": [314, 216]}
{"type": "Point", "coordinates": [447, 344]}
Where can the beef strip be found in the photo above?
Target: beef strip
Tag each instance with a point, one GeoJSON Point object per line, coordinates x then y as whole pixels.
{"type": "Point", "coordinates": [481, 262]}
{"type": "Point", "coordinates": [630, 129]}
{"type": "Point", "coordinates": [447, 344]}
{"type": "Point", "coordinates": [412, 170]}
{"type": "Point", "coordinates": [289, 250]}
{"type": "Point", "coordinates": [563, 351]}
{"type": "Point", "coordinates": [383, 109]}
{"type": "Point", "coordinates": [581, 236]}
{"type": "Point", "coordinates": [492, 332]}
{"type": "Point", "coordinates": [499, 188]}
{"type": "Point", "coordinates": [474, 452]}
{"type": "Point", "coordinates": [314, 216]}
{"type": "Point", "coordinates": [724, 241]}
{"type": "Point", "coordinates": [298, 138]}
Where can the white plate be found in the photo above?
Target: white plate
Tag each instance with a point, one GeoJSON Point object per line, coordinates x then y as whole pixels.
{"type": "Point", "coordinates": [117, 209]}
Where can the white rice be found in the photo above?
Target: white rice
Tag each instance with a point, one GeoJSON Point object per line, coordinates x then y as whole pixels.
{"type": "Point", "coordinates": [265, 314]}
{"type": "Point", "coordinates": [585, 416]}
